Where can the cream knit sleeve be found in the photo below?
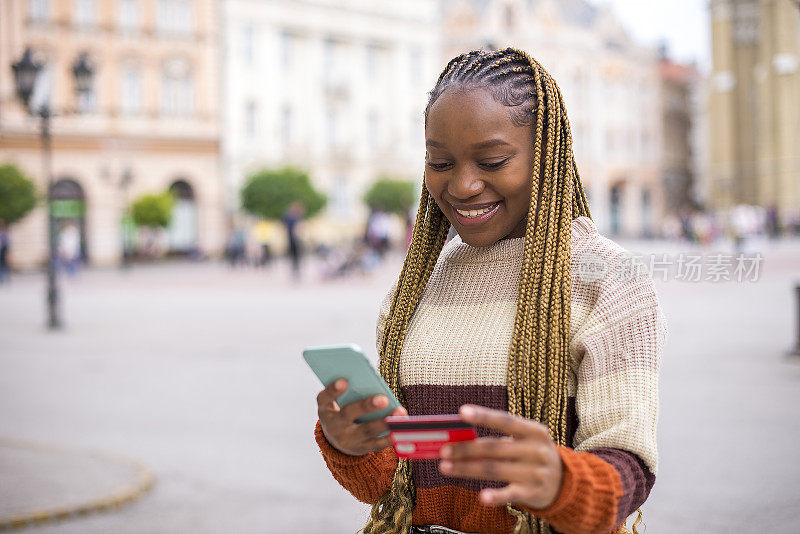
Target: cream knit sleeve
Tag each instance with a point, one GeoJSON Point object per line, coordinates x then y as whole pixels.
{"type": "Point", "coordinates": [618, 349]}
{"type": "Point", "coordinates": [383, 317]}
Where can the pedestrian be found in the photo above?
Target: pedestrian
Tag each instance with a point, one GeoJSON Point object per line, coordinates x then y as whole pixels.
{"type": "Point", "coordinates": [557, 365]}
{"type": "Point", "coordinates": [69, 248]}
{"type": "Point", "coordinates": [5, 245]}
{"type": "Point", "coordinates": [294, 214]}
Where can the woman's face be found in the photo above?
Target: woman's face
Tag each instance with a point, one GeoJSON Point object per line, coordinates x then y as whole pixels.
{"type": "Point", "coordinates": [478, 166]}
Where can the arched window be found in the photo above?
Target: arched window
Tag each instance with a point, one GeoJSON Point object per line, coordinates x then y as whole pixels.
{"type": "Point", "coordinates": [69, 209]}
{"type": "Point", "coordinates": [182, 230]}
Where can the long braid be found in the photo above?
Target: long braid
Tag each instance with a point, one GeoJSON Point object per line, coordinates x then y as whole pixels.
{"type": "Point", "coordinates": [538, 363]}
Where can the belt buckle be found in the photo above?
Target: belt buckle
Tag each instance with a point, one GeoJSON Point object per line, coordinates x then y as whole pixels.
{"type": "Point", "coordinates": [436, 529]}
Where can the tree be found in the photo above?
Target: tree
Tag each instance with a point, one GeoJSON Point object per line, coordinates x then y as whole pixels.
{"type": "Point", "coordinates": [153, 210]}
{"type": "Point", "coordinates": [152, 213]}
{"type": "Point", "coordinates": [17, 194]}
{"type": "Point", "coordinates": [269, 192]}
{"type": "Point", "coordinates": [391, 195]}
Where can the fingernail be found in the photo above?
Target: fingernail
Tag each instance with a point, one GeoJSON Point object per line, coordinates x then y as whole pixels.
{"type": "Point", "coordinates": [445, 451]}
{"type": "Point", "coordinates": [377, 401]}
{"type": "Point", "coordinates": [339, 384]}
{"type": "Point", "coordinates": [445, 465]}
{"type": "Point", "coordinates": [467, 411]}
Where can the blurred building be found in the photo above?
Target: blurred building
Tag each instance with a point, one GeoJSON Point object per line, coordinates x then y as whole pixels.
{"type": "Point", "coordinates": [336, 87]}
{"type": "Point", "coordinates": [150, 122]}
{"type": "Point", "coordinates": [611, 87]}
{"type": "Point", "coordinates": [680, 92]}
{"type": "Point", "coordinates": [754, 105]}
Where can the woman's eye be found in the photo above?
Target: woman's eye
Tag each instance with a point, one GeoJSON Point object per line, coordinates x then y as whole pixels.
{"type": "Point", "coordinates": [438, 166]}
{"type": "Point", "coordinates": [491, 165]}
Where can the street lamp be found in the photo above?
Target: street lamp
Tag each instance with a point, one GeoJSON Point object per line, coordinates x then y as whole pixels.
{"type": "Point", "coordinates": [26, 72]}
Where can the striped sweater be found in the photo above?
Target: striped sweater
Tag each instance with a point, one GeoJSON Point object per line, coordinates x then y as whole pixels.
{"type": "Point", "coordinates": [456, 352]}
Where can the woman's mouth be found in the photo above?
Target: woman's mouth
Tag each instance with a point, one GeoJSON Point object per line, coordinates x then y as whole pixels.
{"type": "Point", "coordinates": [474, 217]}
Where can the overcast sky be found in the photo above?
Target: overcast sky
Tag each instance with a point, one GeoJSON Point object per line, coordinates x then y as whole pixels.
{"type": "Point", "coordinates": [684, 24]}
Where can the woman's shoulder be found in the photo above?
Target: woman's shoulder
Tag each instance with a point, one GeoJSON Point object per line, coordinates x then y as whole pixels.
{"type": "Point", "coordinates": [607, 275]}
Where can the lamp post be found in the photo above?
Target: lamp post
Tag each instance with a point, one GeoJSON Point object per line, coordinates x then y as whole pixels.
{"type": "Point", "coordinates": [26, 72]}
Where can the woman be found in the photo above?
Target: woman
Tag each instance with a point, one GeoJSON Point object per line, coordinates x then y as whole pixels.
{"type": "Point", "coordinates": [525, 324]}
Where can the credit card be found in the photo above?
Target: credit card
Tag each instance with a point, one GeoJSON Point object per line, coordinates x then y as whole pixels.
{"type": "Point", "coordinates": [420, 437]}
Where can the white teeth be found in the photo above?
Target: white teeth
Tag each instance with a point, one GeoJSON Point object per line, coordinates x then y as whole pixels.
{"type": "Point", "coordinates": [475, 213]}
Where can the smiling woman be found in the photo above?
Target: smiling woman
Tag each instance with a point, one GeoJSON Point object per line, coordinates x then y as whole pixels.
{"type": "Point", "coordinates": [558, 371]}
{"type": "Point", "coordinates": [478, 165]}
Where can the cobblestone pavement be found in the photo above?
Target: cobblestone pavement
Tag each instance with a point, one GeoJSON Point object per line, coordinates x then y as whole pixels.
{"type": "Point", "coordinates": [195, 370]}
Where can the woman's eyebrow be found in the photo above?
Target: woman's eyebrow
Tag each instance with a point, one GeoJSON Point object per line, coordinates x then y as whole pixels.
{"type": "Point", "coordinates": [434, 144]}
{"type": "Point", "coordinates": [483, 144]}
{"type": "Point", "coordinates": [490, 143]}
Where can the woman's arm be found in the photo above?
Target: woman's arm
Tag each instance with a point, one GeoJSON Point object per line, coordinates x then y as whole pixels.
{"type": "Point", "coordinates": [366, 477]}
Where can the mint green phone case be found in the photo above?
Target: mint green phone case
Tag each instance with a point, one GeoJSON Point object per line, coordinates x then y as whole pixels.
{"type": "Point", "coordinates": [348, 361]}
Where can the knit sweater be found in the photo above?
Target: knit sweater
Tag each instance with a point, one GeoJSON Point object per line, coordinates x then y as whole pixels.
{"type": "Point", "coordinates": [456, 352]}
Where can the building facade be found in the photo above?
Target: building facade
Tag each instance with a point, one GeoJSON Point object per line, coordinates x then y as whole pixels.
{"type": "Point", "coordinates": [335, 87]}
{"type": "Point", "coordinates": [611, 89]}
{"type": "Point", "coordinates": [150, 122]}
{"type": "Point", "coordinates": [754, 105]}
{"type": "Point", "coordinates": [681, 124]}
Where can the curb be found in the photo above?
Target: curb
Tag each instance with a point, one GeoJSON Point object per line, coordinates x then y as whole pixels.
{"type": "Point", "coordinates": [127, 494]}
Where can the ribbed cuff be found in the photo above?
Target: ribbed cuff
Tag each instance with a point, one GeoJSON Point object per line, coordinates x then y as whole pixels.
{"type": "Point", "coordinates": [588, 498]}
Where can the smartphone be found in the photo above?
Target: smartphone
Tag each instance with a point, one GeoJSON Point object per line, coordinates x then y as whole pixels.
{"type": "Point", "coordinates": [420, 437]}
{"type": "Point", "coordinates": [348, 361]}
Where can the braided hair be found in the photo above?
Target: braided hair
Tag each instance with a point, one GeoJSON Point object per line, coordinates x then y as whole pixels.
{"type": "Point", "coordinates": [538, 362]}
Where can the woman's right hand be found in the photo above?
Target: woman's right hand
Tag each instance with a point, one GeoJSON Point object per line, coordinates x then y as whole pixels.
{"type": "Point", "coordinates": [339, 424]}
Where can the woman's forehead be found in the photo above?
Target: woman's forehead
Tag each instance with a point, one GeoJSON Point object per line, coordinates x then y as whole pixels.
{"type": "Point", "coordinates": [471, 116]}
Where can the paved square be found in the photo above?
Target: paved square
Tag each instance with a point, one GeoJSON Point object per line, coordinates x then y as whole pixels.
{"type": "Point", "coordinates": [196, 370]}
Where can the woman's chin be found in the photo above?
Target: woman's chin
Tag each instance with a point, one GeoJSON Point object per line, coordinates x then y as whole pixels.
{"type": "Point", "coordinates": [477, 239]}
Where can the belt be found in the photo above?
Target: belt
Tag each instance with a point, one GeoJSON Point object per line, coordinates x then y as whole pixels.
{"type": "Point", "coordinates": [434, 529]}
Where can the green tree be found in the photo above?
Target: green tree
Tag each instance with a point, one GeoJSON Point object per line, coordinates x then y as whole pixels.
{"type": "Point", "coordinates": [17, 194]}
{"type": "Point", "coordinates": [269, 192]}
{"type": "Point", "coordinates": [391, 195]}
{"type": "Point", "coordinates": [153, 210]}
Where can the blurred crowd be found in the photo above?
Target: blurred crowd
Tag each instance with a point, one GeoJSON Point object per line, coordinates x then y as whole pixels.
{"type": "Point", "coordinates": [740, 224]}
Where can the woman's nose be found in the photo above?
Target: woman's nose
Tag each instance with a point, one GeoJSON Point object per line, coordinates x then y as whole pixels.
{"type": "Point", "coordinates": [464, 185]}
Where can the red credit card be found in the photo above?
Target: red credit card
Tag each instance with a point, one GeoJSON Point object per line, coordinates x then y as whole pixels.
{"type": "Point", "coordinates": [419, 437]}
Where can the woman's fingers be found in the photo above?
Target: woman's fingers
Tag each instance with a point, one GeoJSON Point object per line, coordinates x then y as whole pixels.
{"type": "Point", "coordinates": [362, 407]}
{"type": "Point", "coordinates": [326, 399]}
{"type": "Point", "coordinates": [509, 424]}
{"type": "Point", "coordinates": [495, 470]}
{"type": "Point", "coordinates": [512, 493]}
{"type": "Point", "coordinates": [503, 448]}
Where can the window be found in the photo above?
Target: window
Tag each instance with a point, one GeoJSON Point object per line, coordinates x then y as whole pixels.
{"type": "Point", "coordinates": [416, 131]}
{"type": "Point", "coordinates": [248, 43]}
{"type": "Point", "coordinates": [131, 91]}
{"type": "Point", "coordinates": [372, 129]}
{"type": "Point", "coordinates": [372, 53]}
{"type": "Point", "coordinates": [331, 127]}
{"type": "Point", "coordinates": [286, 44]}
{"type": "Point", "coordinates": [250, 112]}
{"type": "Point", "coordinates": [329, 59]}
{"type": "Point", "coordinates": [286, 124]}
{"type": "Point", "coordinates": [341, 197]}
{"type": "Point", "coordinates": [128, 15]}
{"type": "Point", "coordinates": [177, 89]}
{"type": "Point", "coordinates": [87, 101]}
{"type": "Point", "coordinates": [84, 12]}
{"type": "Point", "coordinates": [415, 67]}
{"type": "Point", "coordinates": [174, 17]}
{"type": "Point", "coordinates": [38, 10]}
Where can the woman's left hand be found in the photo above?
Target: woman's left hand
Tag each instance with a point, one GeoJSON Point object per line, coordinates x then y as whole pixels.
{"type": "Point", "coordinates": [526, 458]}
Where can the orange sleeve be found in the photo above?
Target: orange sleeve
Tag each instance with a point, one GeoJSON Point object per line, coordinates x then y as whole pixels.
{"type": "Point", "coordinates": [367, 477]}
{"type": "Point", "coordinates": [590, 492]}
